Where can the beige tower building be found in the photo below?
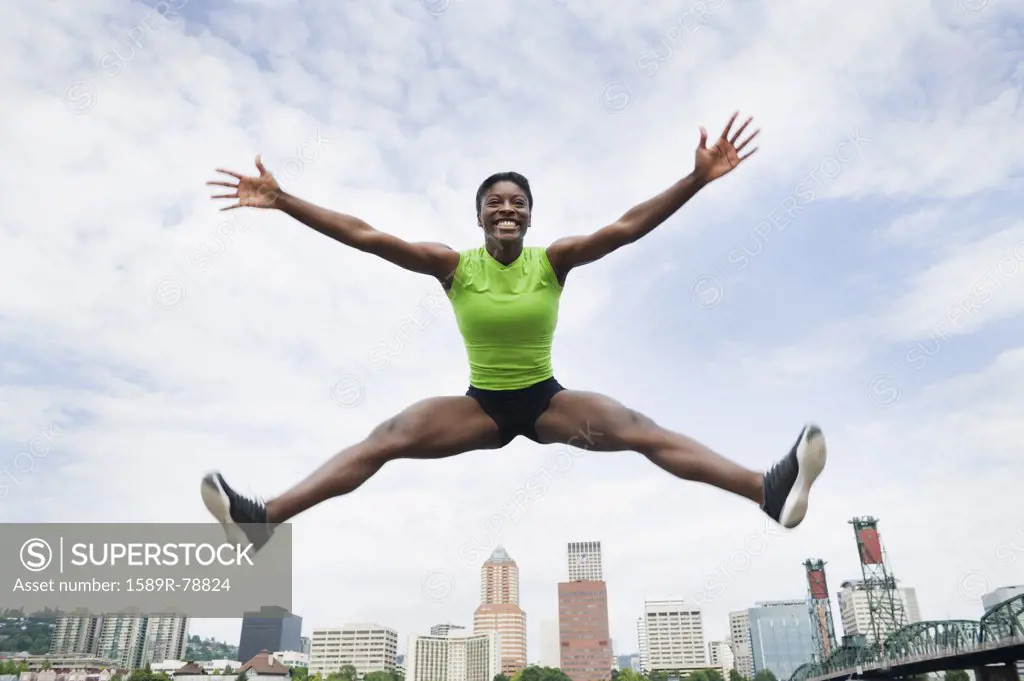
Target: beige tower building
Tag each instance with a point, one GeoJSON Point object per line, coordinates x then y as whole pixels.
{"type": "Point", "coordinates": [739, 642]}
{"type": "Point", "coordinates": [674, 633]}
{"type": "Point", "coordinates": [368, 647]}
{"type": "Point", "coordinates": [499, 610]}
{"type": "Point", "coordinates": [454, 655]}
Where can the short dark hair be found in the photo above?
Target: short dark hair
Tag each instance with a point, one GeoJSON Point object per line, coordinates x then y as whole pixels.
{"type": "Point", "coordinates": [514, 178]}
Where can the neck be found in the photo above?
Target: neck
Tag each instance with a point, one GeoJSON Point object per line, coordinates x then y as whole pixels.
{"type": "Point", "coordinates": [504, 252]}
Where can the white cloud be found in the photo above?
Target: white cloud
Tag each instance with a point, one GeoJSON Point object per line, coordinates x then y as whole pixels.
{"type": "Point", "coordinates": [102, 207]}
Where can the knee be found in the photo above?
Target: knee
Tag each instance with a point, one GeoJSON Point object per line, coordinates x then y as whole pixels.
{"type": "Point", "coordinates": [639, 433]}
{"type": "Point", "coordinates": [398, 434]}
{"type": "Point", "coordinates": [640, 421]}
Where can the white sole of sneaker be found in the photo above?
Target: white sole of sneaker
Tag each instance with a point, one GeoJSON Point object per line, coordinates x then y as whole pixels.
{"type": "Point", "coordinates": [811, 454]}
{"type": "Point", "coordinates": [219, 506]}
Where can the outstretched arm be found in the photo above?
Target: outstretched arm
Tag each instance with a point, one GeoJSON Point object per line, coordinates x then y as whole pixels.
{"type": "Point", "coordinates": [710, 164]}
{"type": "Point", "coordinates": [433, 259]}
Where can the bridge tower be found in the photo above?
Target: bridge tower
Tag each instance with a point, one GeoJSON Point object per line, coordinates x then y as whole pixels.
{"type": "Point", "coordinates": [885, 604]}
{"type": "Point", "coordinates": [821, 609]}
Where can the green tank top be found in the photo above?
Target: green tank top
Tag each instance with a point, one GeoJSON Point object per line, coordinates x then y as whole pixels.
{"type": "Point", "coordinates": [507, 316]}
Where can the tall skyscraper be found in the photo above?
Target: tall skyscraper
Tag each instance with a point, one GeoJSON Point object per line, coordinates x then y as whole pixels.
{"type": "Point", "coordinates": [584, 639]}
{"type": "Point", "coordinates": [585, 561]}
{"type": "Point", "coordinates": [367, 647]}
{"type": "Point", "coordinates": [739, 640]}
{"type": "Point", "coordinates": [675, 636]}
{"type": "Point", "coordinates": [781, 636]}
{"type": "Point", "coordinates": [270, 628]}
{"type": "Point", "coordinates": [455, 655]}
{"type": "Point", "coordinates": [499, 610]}
{"type": "Point", "coordinates": [133, 641]}
{"type": "Point", "coordinates": [720, 657]}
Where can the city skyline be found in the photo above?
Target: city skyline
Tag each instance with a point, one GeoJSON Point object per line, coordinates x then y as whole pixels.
{"type": "Point", "coordinates": [499, 582]}
{"type": "Point", "coordinates": [721, 631]}
{"type": "Point", "coordinates": [778, 633]}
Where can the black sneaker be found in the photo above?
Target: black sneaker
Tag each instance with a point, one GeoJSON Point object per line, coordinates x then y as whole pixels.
{"type": "Point", "coordinates": [244, 520]}
{"type": "Point", "coordinates": [788, 483]}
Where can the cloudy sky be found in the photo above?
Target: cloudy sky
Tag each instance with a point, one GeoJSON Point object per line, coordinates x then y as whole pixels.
{"type": "Point", "coordinates": [863, 270]}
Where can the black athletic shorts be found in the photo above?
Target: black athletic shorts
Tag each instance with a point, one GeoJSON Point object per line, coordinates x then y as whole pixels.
{"type": "Point", "coordinates": [516, 411]}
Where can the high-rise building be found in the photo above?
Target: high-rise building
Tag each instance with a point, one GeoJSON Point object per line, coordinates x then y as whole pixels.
{"type": "Point", "coordinates": [550, 646]}
{"type": "Point", "coordinates": [455, 655]}
{"type": "Point", "coordinates": [641, 640]}
{"type": "Point", "coordinates": [720, 656]}
{"type": "Point", "coordinates": [781, 637]}
{"type": "Point", "coordinates": [675, 636]}
{"type": "Point", "coordinates": [910, 600]}
{"type": "Point", "coordinates": [739, 641]}
{"type": "Point", "coordinates": [168, 638]}
{"type": "Point", "coordinates": [367, 647]}
{"type": "Point", "coordinates": [443, 629]}
{"type": "Point", "coordinates": [133, 641]}
{"type": "Point", "coordinates": [124, 639]}
{"type": "Point", "coordinates": [305, 642]}
{"type": "Point", "coordinates": [585, 561]}
{"type": "Point", "coordinates": [855, 610]}
{"type": "Point", "coordinates": [75, 636]}
{"type": "Point", "coordinates": [270, 628]}
{"type": "Point", "coordinates": [499, 610]}
{"type": "Point", "coordinates": [584, 639]}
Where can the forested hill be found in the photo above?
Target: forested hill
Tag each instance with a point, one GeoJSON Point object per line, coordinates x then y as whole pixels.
{"type": "Point", "coordinates": [210, 649]}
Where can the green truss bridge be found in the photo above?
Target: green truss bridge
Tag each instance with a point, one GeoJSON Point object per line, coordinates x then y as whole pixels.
{"type": "Point", "coordinates": [934, 646]}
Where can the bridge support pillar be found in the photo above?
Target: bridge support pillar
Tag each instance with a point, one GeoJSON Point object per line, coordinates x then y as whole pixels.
{"type": "Point", "coordinates": [997, 672]}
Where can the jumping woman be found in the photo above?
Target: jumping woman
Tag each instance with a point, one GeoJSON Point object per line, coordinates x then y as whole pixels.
{"type": "Point", "coordinates": [505, 296]}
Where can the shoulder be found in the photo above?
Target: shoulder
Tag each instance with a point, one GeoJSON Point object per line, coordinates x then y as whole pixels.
{"type": "Point", "coordinates": [470, 255]}
{"type": "Point", "coordinates": [542, 257]}
{"type": "Point", "coordinates": [469, 262]}
{"type": "Point", "coordinates": [561, 250]}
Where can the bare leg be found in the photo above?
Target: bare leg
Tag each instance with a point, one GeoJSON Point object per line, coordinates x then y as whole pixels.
{"type": "Point", "coordinates": [593, 421]}
{"type": "Point", "coordinates": [431, 429]}
{"type": "Point", "coordinates": [616, 428]}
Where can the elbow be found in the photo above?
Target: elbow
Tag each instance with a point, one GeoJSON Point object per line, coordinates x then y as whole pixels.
{"type": "Point", "coordinates": [363, 237]}
{"type": "Point", "coordinates": [628, 231]}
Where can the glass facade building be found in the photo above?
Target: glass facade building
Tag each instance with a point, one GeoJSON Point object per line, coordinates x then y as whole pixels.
{"type": "Point", "coordinates": [781, 638]}
{"type": "Point", "coordinates": [270, 628]}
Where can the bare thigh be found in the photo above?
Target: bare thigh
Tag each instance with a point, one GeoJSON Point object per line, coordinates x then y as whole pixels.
{"type": "Point", "coordinates": [599, 423]}
{"type": "Point", "coordinates": [593, 421]}
{"type": "Point", "coordinates": [435, 428]}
